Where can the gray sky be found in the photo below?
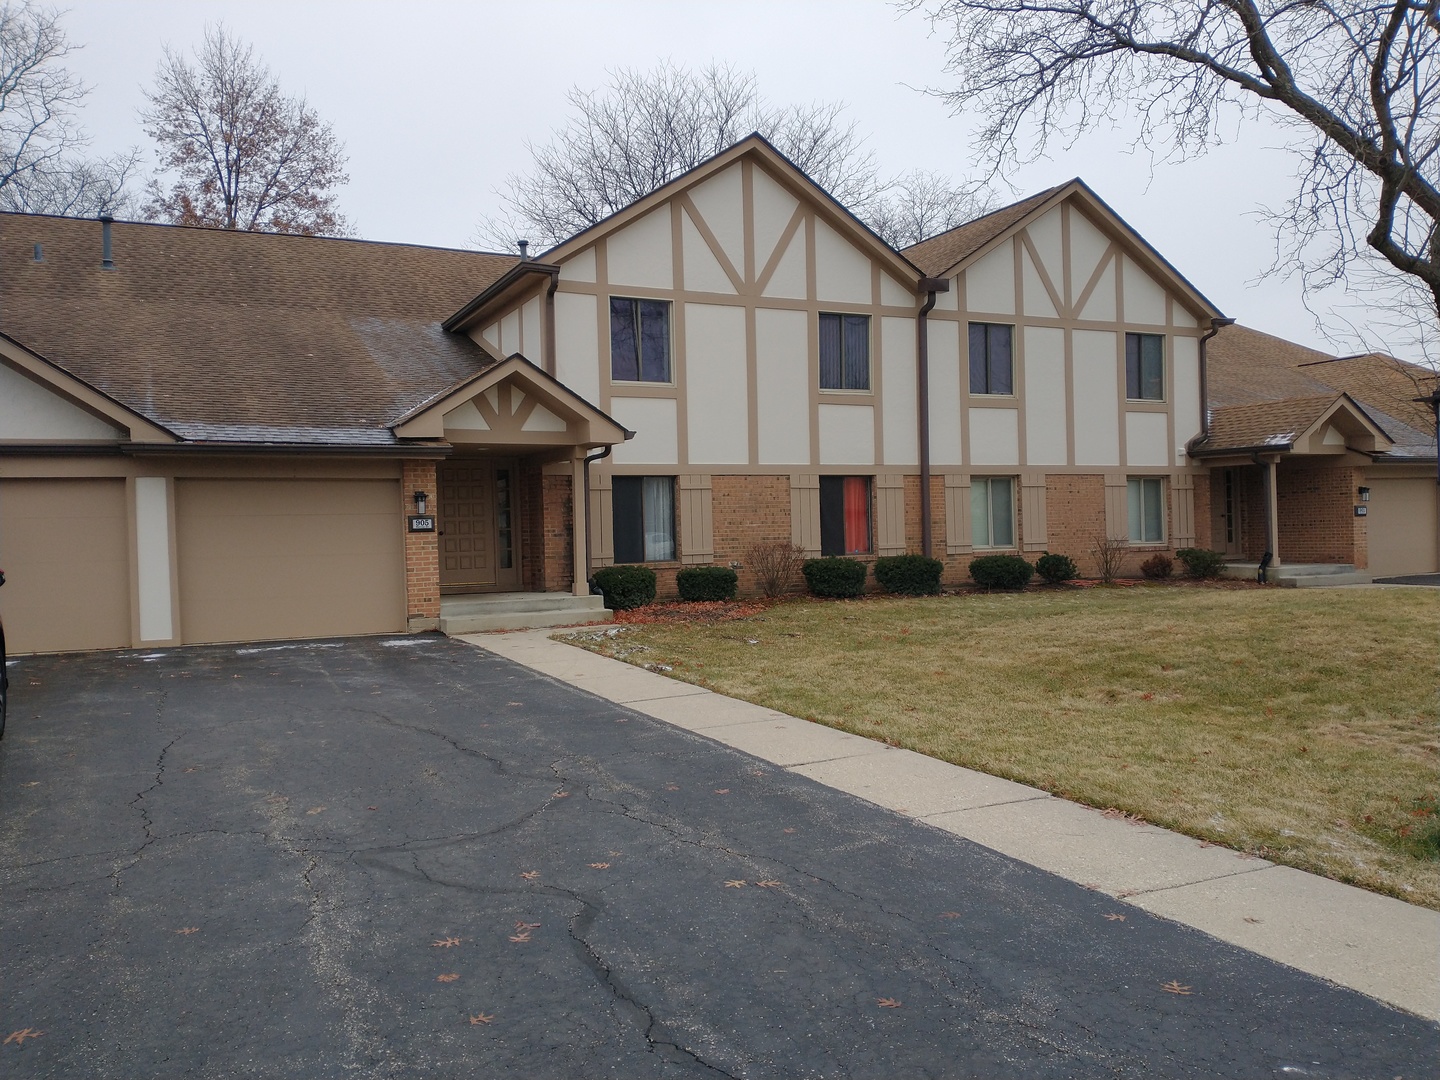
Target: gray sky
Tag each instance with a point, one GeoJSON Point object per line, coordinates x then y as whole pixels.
{"type": "Point", "coordinates": [436, 101]}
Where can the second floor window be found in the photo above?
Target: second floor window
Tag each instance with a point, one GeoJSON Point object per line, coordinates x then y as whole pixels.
{"type": "Point", "coordinates": [992, 358]}
{"type": "Point", "coordinates": [1145, 367]}
{"type": "Point", "coordinates": [639, 340]}
{"type": "Point", "coordinates": [844, 352]}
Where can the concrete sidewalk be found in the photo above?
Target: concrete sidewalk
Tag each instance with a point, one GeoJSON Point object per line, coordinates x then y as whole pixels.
{"type": "Point", "coordinates": [1379, 946]}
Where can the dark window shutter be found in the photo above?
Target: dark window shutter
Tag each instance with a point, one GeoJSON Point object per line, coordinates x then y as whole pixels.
{"type": "Point", "coordinates": [628, 510]}
{"type": "Point", "coordinates": [1132, 366]}
{"type": "Point", "coordinates": [832, 515]}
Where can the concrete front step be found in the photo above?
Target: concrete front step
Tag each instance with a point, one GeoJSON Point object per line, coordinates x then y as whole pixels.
{"type": "Point", "coordinates": [473, 613]}
{"type": "Point", "coordinates": [1301, 575]}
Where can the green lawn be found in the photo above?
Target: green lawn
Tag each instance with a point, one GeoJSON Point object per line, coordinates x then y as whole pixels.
{"type": "Point", "coordinates": [1300, 725]}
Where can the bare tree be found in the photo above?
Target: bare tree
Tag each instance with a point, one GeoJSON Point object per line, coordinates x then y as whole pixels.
{"type": "Point", "coordinates": [239, 152]}
{"type": "Point", "coordinates": [922, 204]}
{"type": "Point", "coordinates": [648, 127]}
{"type": "Point", "coordinates": [1357, 84]}
{"type": "Point", "coordinates": [41, 170]}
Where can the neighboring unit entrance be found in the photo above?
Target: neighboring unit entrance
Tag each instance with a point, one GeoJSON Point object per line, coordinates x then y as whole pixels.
{"type": "Point", "coordinates": [479, 526]}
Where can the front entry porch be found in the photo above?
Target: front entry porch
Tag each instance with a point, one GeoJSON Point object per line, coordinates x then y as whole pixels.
{"type": "Point", "coordinates": [477, 612]}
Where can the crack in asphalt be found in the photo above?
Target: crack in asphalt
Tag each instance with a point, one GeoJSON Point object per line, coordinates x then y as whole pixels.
{"type": "Point", "coordinates": [138, 802]}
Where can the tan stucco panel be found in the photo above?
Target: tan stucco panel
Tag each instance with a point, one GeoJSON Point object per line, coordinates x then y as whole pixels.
{"type": "Point", "coordinates": [268, 559]}
{"type": "Point", "coordinates": [65, 548]}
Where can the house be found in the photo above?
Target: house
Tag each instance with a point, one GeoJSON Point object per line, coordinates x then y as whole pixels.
{"type": "Point", "coordinates": [1318, 458]}
{"type": "Point", "coordinates": [210, 436]}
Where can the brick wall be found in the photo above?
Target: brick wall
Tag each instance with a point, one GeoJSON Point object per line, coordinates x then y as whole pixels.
{"type": "Point", "coordinates": [1075, 517]}
{"type": "Point", "coordinates": [557, 546]}
{"type": "Point", "coordinates": [1317, 515]}
{"type": "Point", "coordinates": [422, 550]}
{"type": "Point", "coordinates": [746, 510]}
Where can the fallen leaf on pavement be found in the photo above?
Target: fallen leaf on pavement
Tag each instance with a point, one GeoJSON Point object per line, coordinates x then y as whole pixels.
{"type": "Point", "coordinates": [445, 943]}
{"type": "Point", "coordinates": [888, 1003]}
{"type": "Point", "coordinates": [734, 884]}
{"type": "Point", "coordinates": [446, 978]}
{"type": "Point", "coordinates": [1174, 987]}
{"type": "Point", "coordinates": [481, 1018]}
{"type": "Point", "coordinates": [19, 1037]}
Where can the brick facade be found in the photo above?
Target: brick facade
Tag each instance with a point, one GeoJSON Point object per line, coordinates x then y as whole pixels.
{"type": "Point", "coordinates": [422, 550]}
{"type": "Point", "coordinates": [1317, 515]}
{"type": "Point", "coordinates": [747, 510]}
{"type": "Point", "coordinates": [1075, 518]}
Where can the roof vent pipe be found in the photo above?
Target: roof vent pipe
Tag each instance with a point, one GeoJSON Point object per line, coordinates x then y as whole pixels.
{"type": "Point", "coordinates": [106, 262]}
{"type": "Point", "coordinates": [524, 246]}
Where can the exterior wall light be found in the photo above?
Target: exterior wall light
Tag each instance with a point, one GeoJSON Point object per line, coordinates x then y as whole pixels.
{"type": "Point", "coordinates": [1364, 494]}
{"type": "Point", "coordinates": [422, 500]}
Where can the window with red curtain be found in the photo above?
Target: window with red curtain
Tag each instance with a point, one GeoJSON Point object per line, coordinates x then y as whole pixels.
{"type": "Point", "coordinates": [845, 515]}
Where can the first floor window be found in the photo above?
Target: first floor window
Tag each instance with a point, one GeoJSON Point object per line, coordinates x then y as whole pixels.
{"type": "Point", "coordinates": [639, 340]}
{"type": "Point", "coordinates": [992, 359]}
{"type": "Point", "coordinates": [844, 352]}
{"type": "Point", "coordinates": [844, 515]}
{"type": "Point", "coordinates": [992, 511]}
{"type": "Point", "coordinates": [1145, 367]}
{"type": "Point", "coordinates": [1147, 510]}
{"type": "Point", "coordinates": [644, 511]}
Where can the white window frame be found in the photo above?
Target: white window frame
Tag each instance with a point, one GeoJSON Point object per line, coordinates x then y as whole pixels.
{"type": "Point", "coordinates": [987, 483]}
{"type": "Point", "coordinates": [1136, 489]}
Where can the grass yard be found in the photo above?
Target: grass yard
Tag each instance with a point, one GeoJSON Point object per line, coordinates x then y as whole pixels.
{"type": "Point", "coordinates": [1300, 725]}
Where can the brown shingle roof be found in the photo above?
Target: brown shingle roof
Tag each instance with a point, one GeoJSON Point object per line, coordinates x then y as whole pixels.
{"type": "Point", "coordinates": [1266, 423]}
{"type": "Point", "coordinates": [244, 336]}
{"type": "Point", "coordinates": [940, 253]}
{"type": "Point", "coordinates": [1246, 367]}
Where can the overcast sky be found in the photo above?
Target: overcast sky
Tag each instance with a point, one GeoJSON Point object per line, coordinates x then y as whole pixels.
{"type": "Point", "coordinates": [436, 101]}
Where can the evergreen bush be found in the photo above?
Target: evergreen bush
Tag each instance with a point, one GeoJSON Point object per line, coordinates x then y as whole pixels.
{"type": "Point", "coordinates": [1056, 569]}
{"type": "Point", "coordinates": [835, 576]}
{"type": "Point", "coordinates": [625, 587]}
{"type": "Point", "coordinates": [1001, 572]}
{"type": "Point", "coordinates": [909, 575]}
{"type": "Point", "coordinates": [1201, 562]}
{"type": "Point", "coordinates": [706, 583]}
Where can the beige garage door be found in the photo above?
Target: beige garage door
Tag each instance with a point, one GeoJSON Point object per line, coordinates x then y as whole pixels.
{"type": "Point", "coordinates": [289, 558]}
{"type": "Point", "coordinates": [65, 550]}
{"type": "Point", "coordinates": [1400, 526]}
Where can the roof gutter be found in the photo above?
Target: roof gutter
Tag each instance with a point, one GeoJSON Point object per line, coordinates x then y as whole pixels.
{"type": "Point", "coordinates": [466, 314]}
{"type": "Point", "coordinates": [1216, 325]}
{"type": "Point", "coordinates": [427, 450]}
{"type": "Point", "coordinates": [931, 286]}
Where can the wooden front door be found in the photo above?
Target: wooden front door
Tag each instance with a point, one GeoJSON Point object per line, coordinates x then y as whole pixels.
{"type": "Point", "coordinates": [479, 526]}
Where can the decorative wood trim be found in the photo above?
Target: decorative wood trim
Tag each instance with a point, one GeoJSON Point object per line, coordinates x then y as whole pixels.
{"type": "Point", "coordinates": [1117, 509]}
{"type": "Point", "coordinates": [698, 220]}
{"type": "Point", "coordinates": [696, 526]}
{"type": "Point", "coordinates": [805, 512]}
{"type": "Point", "coordinates": [889, 514]}
{"type": "Point", "coordinates": [957, 514]}
{"type": "Point", "coordinates": [602, 519]}
{"type": "Point", "coordinates": [1034, 535]}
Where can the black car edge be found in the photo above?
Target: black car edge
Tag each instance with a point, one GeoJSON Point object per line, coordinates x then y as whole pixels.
{"type": "Point", "coordinates": [4, 673]}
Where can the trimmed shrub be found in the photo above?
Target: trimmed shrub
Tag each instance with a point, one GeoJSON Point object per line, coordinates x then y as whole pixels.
{"type": "Point", "coordinates": [1158, 567]}
{"type": "Point", "coordinates": [1001, 572]}
{"type": "Point", "coordinates": [909, 575]}
{"type": "Point", "coordinates": [1056, 569]}
{"type": "Point", "coordinates": [625, 587]}
{"type": "Point", "coordinates": [706, 583]}
{"type": "Point", "coordinates": [835, 576]}
{"type": "Point", "coordinates": [1201, 562]}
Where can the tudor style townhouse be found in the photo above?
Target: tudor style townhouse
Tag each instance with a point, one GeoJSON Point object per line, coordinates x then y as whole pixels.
{"type": "Point", "coordinates": [211, 436]}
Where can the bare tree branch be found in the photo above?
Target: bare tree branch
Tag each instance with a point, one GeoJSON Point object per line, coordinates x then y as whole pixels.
{"type": "Point", "coordinates": [41, 171]}
{"type": "Point", "coordinates": [648, 127]}
{"type": "Point", "coordinates": [241, 154]}
{"type": "Point", "coordinates": [1357, 84]}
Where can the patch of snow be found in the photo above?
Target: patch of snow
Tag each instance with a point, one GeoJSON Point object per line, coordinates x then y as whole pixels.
{"type": "Point", "coordinates": [280, 648]}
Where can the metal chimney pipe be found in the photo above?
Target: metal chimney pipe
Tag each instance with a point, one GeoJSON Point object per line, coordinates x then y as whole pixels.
{"type": "Point", "coordinates": [106, 262]}
{"type": "Point", "coordinates": [524, 246]}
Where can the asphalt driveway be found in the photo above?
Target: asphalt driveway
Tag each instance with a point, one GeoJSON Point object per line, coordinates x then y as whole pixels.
{"type": "Point", "coordinates": [406, 857]}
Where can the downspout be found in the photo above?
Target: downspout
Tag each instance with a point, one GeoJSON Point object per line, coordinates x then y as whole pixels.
{"type": "Point", "coordinates": [549, 359]}
{"type": "Point", "coordinates": [583, 499]}
{"type": "Point", "coordinates": [1216, 325]}
{"type": "Point", "coordinates": [931, 286]}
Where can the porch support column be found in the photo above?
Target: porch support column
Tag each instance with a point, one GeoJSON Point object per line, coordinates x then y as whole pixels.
{"type": "Point", "coordinates": [1272, 513]}
{"type": "Point", "coordinates": [579, 523]}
